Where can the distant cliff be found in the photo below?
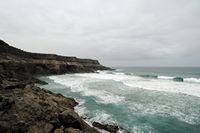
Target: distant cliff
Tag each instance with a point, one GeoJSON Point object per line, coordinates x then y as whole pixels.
{"type": "Point", "coordinates": [15, 62]}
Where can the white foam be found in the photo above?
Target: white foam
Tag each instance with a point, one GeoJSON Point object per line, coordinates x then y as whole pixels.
{"type": "Point", "coordinates": [102, 117]}
{"type": "Point", "coordinates": [167, 86]}
{"type": "Point", "coordinates": [189, 80]}
{"type": "Point", "coordinates": [104, 97]}
{"type": "Point", "coordinates": [120, 73]}
{"type": "Point", "coordinates": [109, 76]}
{"type": "Point", "coordinates": [81, 109]}
{"type": "Point", "coordinates": [80, 85]}
{"type": "Point", "coordinates": [165, 77]}
{"type": "Point", "coordinates": [193, 80]}
{"type": "Point", "coordinates": [151, 84]}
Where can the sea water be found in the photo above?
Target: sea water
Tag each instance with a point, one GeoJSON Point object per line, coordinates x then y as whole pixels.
{"type": "Point", "coordinates": [138, 99]}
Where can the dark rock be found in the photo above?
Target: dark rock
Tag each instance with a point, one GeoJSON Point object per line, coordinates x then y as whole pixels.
{"type": "Point", "coordinates": [55, 122]}
{"type": "Point", "coordinates": [178, 79]}
{"type": "Point", "coordinates": [12, 84]}
{"type": "Point", "coordinates": [35, 80]}
{"type": "Point", "coordinates": [69, 118]}
{"type": "Point", "coordinates": [6, 103]}
{"type": "Point", "coordinates": [109, 128]}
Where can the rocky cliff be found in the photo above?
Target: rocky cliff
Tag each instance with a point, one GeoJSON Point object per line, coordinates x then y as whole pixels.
{"type": "Point", "coordinates": [25, 107]}
{"type": "Point", "coordinates": [16, 62]}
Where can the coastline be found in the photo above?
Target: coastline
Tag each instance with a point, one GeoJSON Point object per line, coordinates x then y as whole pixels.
{"type": "Point", "coordinates": [25, 107]}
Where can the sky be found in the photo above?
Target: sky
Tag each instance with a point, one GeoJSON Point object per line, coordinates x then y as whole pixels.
{"type": "Point", "coordinates": [116, 32]}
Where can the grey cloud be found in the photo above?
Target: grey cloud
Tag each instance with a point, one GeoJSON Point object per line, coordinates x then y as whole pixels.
{"type": "Point", "coordinates": [117, 32]}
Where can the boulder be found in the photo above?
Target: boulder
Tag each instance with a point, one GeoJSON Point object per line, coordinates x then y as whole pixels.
{"type": "Point", "coordinates": [69, 118]}
{"type": "Point", "coordinates": [109, 128]}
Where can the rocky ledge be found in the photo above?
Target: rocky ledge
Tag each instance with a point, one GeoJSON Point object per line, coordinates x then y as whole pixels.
{"type": "Point", "coordinates": [26, 108]}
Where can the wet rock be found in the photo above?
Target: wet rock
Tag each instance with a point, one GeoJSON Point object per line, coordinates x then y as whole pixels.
{"type": "Point", "coordinates": [109, 128]}
{"type": "Point", "coordinates": [178, 79]}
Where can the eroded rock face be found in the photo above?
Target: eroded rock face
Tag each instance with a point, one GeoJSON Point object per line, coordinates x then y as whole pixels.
{"type": "Point", "coordinates": [16, 60]}
{"type": "Point", "coordinates": [25, 107]}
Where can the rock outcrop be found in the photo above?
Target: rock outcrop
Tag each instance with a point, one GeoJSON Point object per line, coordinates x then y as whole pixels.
{"type": "Point", "coordinates": [35, 110]}
{"type": "Point", "coordinates": [26, 108]}
{"type": "Point", "coordinates": [18, 63]}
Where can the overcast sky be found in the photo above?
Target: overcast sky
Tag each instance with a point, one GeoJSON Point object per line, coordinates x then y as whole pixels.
{"type": "Point", "coordinates": [116, 32]}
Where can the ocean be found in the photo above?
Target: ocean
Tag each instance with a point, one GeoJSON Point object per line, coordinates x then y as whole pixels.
{"type": "Point", "coordinates": [138, 99]}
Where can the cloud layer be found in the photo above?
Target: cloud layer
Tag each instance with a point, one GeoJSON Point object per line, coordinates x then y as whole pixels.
{"type": "Point", "coordinates": [117, 32]}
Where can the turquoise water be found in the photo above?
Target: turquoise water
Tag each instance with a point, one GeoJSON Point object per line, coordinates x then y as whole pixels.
{"type": "Point", "coordinates": [141, 100]}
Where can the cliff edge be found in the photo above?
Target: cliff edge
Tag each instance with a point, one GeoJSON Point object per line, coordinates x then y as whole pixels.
{"type": "Point", "coordinates": [22, 64]}
{"type": "Point", "coordinates": [26, 108]}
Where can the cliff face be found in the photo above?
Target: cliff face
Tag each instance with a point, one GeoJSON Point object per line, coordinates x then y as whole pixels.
{"type": "Point", "coordinates": [16, 62]}
{"type": "Point", "coordinates": [26, 108]}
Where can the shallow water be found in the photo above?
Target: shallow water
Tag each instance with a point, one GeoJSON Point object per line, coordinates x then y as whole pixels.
{"type": "Point", "coordinates": [133, 101]}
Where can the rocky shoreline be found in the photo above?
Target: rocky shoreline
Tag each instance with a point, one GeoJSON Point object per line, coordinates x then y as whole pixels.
{"type": "Point", "coordinates": [25, 107]}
